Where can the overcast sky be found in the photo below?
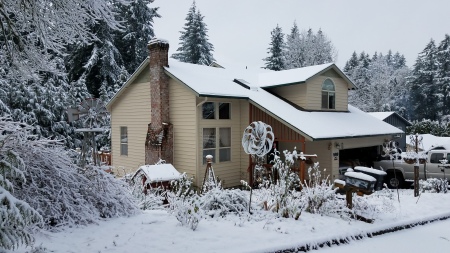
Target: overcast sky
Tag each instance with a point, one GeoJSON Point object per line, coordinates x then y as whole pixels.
{"type": "Point", "coordinates": [240, 29]}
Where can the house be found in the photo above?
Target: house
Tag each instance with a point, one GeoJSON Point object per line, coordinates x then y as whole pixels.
{"type": "Point", "coordinates": [396, 120]}
{"type": "Point", "coordinates": [182, 112]}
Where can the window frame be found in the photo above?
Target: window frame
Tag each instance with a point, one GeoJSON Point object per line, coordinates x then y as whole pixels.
{"type": "Point", "coordinates": [329, 94]}
{"type": "Point", "coordinates": [216, 110]}
{"type": "Point", "coordinates": [124, 133]}
{"type": "Point", "coordinates": [218, 145]}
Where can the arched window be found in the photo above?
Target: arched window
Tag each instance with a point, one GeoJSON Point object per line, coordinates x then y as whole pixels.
{"type": "Point", "coordinates": [328, 95]}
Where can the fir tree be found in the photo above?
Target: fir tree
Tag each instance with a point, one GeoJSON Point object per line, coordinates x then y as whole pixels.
{"type": "Point", "coordinates": [295, 54]}
{"type": "Point", "coordinates": [138, 22]}
{"type": "Point", "coordinates": [351, 64]}
{"type": "Point", "coordinates": [275, 61]}
{"type": "Point", "coordinates": [194, 44]}
{"type": "Point", "coordinates": [443, 75]}
{"type": "Point", "coordinates": [99, 64]}
{"type": "Point", "coordinates": [423, 84]}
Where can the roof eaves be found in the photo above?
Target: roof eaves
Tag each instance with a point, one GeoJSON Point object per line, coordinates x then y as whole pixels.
{"type": "Point", "coordinates": [221, 96]}
{"type": "Point", "coordinates": [127, 83]}
{"type": "Point", "coordinates": [310, 138]}
{"type": "Point", "coordinates": [352, 137]}
{"type": "Point", "coordinates": [281, 85]}
{"type": "Point", "coordinates": [167, 71]}
{"type": "Point", "coordinates": [338, 70]}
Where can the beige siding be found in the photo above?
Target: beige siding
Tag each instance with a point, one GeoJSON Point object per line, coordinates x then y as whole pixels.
{"type": "Point", "coordinates": [131, 110]}
{"type": "Point", "coordinates": [324, 156]}
{"type": "Point", "coordinates": [314, 91]}
{"type": "Point", "coordinates": [245, 121]}
{"type": "Point", "coordinates": [182, 116]}
{"type": "Point", "coordinates": [229, 172]}
{"type": "Point", "coordinates": [295, 93]}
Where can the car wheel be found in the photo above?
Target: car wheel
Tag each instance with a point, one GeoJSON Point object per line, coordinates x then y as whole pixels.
{"type": "Point", "coordinates": [394, 180]}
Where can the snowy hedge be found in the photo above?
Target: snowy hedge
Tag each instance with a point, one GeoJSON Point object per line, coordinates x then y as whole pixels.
{"type": "Point", "coordinates": [38, 182]}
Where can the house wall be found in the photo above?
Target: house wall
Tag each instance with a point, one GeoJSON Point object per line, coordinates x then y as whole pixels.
{"type": "Point", "coordinates": [244, 122]}
{"type": "Point", "coordinates": [314, 91]}
{"type": "Point", "coordinates": [182, 114]}
{"type": "Point", "coordinates": [132, 110]}
{"type": "Point", "coordinates": [324, 156]}
{"type": "Point", "coordinates": [309, 95]}
{"type": "Point", "coordinates": [295, 93]}
{"type": "Point", "coordinates": [230, 171]}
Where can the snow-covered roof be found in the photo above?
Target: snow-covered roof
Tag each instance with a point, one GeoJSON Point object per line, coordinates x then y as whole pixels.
{"type": "Point", "coordinates": [385, 115]}
{"type": "Point", "coordinates": [299, 75]}
{"type": "Point", "coordinates": [159, 173]}
{"type": "Point", "coordinates": [216, 82]}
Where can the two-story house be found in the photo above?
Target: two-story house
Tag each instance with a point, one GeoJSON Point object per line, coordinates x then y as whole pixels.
{"type": "Point", "coordinates": [181, 112]}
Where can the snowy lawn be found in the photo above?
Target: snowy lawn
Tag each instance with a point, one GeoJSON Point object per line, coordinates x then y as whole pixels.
{"type": "Point", "coordinates": [158, 231]}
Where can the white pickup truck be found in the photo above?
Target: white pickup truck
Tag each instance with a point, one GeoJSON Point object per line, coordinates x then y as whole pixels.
{"type": "Point", "coordinates": [399, 171]}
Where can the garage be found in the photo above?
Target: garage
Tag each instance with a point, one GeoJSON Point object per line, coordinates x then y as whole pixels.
{"type": "Point", "coordinates": [358, 156]}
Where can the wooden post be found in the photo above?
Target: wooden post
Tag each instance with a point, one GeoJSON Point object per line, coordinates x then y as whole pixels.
{"type": "Point", "coordinates": [208, 167]}
{"type": "Point", "coordinates": [348, 197]}
{"type": "Point", "coordinates": [302, 164]}
{"type": "Point", "coordinates": [416, 169]}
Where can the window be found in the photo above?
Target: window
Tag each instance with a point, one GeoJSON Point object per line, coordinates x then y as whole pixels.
{"type": "Point", "coordinates": [436, 157]}
{"type": "Point", "coordinates": [224, 110]}
{"type": "Point", "coordinates": [209, 143]}
{"type": "Point", "coordinates": [123, 141]}
{"type": "Point", "coordinates": [209, 110]}
{"type": "Point", "coordinates": [210, 138]}
{"type": "Point", "coordinates": [328, 94]}
{"type": "Point", "coordinates": [224, 144]}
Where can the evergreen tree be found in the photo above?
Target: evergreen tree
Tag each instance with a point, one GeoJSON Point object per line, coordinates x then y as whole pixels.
{"type": "Point", "coordinates": [275, 60]}
{"type": "Point", "coordinates": [443, 75]}
{"type": "Point", "coordinates": [351, 64]}
{"type": "Point", "coordinates": [381, 87]}
{"type": "Point", "coordinates": [307, 49]}
{"type": "Point", "coordinates": [99, 64]}
{"type": "Point", "coordinates": [295, 54]}
{"type": "Point", "coordinates": [424, 91]}
{"type": "Point", "coordinates": [138, 31]}
{"type": "Point", "coordinates": [194, 44]}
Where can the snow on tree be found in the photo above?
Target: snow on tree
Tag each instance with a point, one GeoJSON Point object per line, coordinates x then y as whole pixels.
{"type": "Point", "coordinates": [34, 30]}
{"type": "Point", "coordinates": [49, 182]}
{"type": "Point", "coordinates": [443, 75]}
{"type": "Point", "coordinates": [307, 49]}
{"type": "Point", "coordinates": [424, 91]}
{"type": "Point", "coordinates": [99, 63]}
{"type": "Point", "coordinates": [381, 82]}
{"type": "Point", "coordinates": [138, 31]}
{"type": "Point", "coordinates": [194, 44]}
{"type": "Point", "coordinates": [16, 216]}
{"type": "Point", "coordinates": [275, 60]}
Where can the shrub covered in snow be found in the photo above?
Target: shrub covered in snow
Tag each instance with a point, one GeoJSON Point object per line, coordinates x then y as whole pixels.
{"type": "Point", "coordinates": [51, 184]}
{"type": "Point", "coordinates": [220, 202]}
{"type": "Point", "coordinates": [320, 196]}
{"type": "Point", "coordinates": [433, 185]}
{"type": "Point", "coordinates": [150, 199]}
{"type": "Point", "coordinates": [186, 209]}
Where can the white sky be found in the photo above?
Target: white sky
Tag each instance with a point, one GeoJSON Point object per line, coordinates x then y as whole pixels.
{"type": "Point", "coordinates": [240, 29]}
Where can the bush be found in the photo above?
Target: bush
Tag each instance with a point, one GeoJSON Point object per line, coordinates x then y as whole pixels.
{"type": "Point", "coordinates": [220, 202]}
{"type": "Point", "coordinates": [185, 209]}
{"type": "Point", "coordinates": [433, 185]}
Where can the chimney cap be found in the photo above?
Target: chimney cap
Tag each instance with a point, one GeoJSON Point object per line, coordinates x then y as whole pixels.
{"type": "Point", "coordinates": [158, 41]}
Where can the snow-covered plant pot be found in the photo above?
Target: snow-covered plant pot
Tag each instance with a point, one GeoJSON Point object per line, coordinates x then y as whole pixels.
{"type": "Point", "coordinates": [409, 160]}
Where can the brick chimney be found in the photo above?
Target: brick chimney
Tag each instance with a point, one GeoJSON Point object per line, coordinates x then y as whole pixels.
{"type": "Point", "coordinates": [159, 141]}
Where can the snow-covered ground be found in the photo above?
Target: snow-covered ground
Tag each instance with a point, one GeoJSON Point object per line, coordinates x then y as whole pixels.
{"type": "Point", "coordinates": [157, 231]}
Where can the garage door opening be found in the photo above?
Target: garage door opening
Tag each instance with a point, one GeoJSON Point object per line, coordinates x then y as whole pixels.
{"type": "Point", "coordinates": [358, 156]}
